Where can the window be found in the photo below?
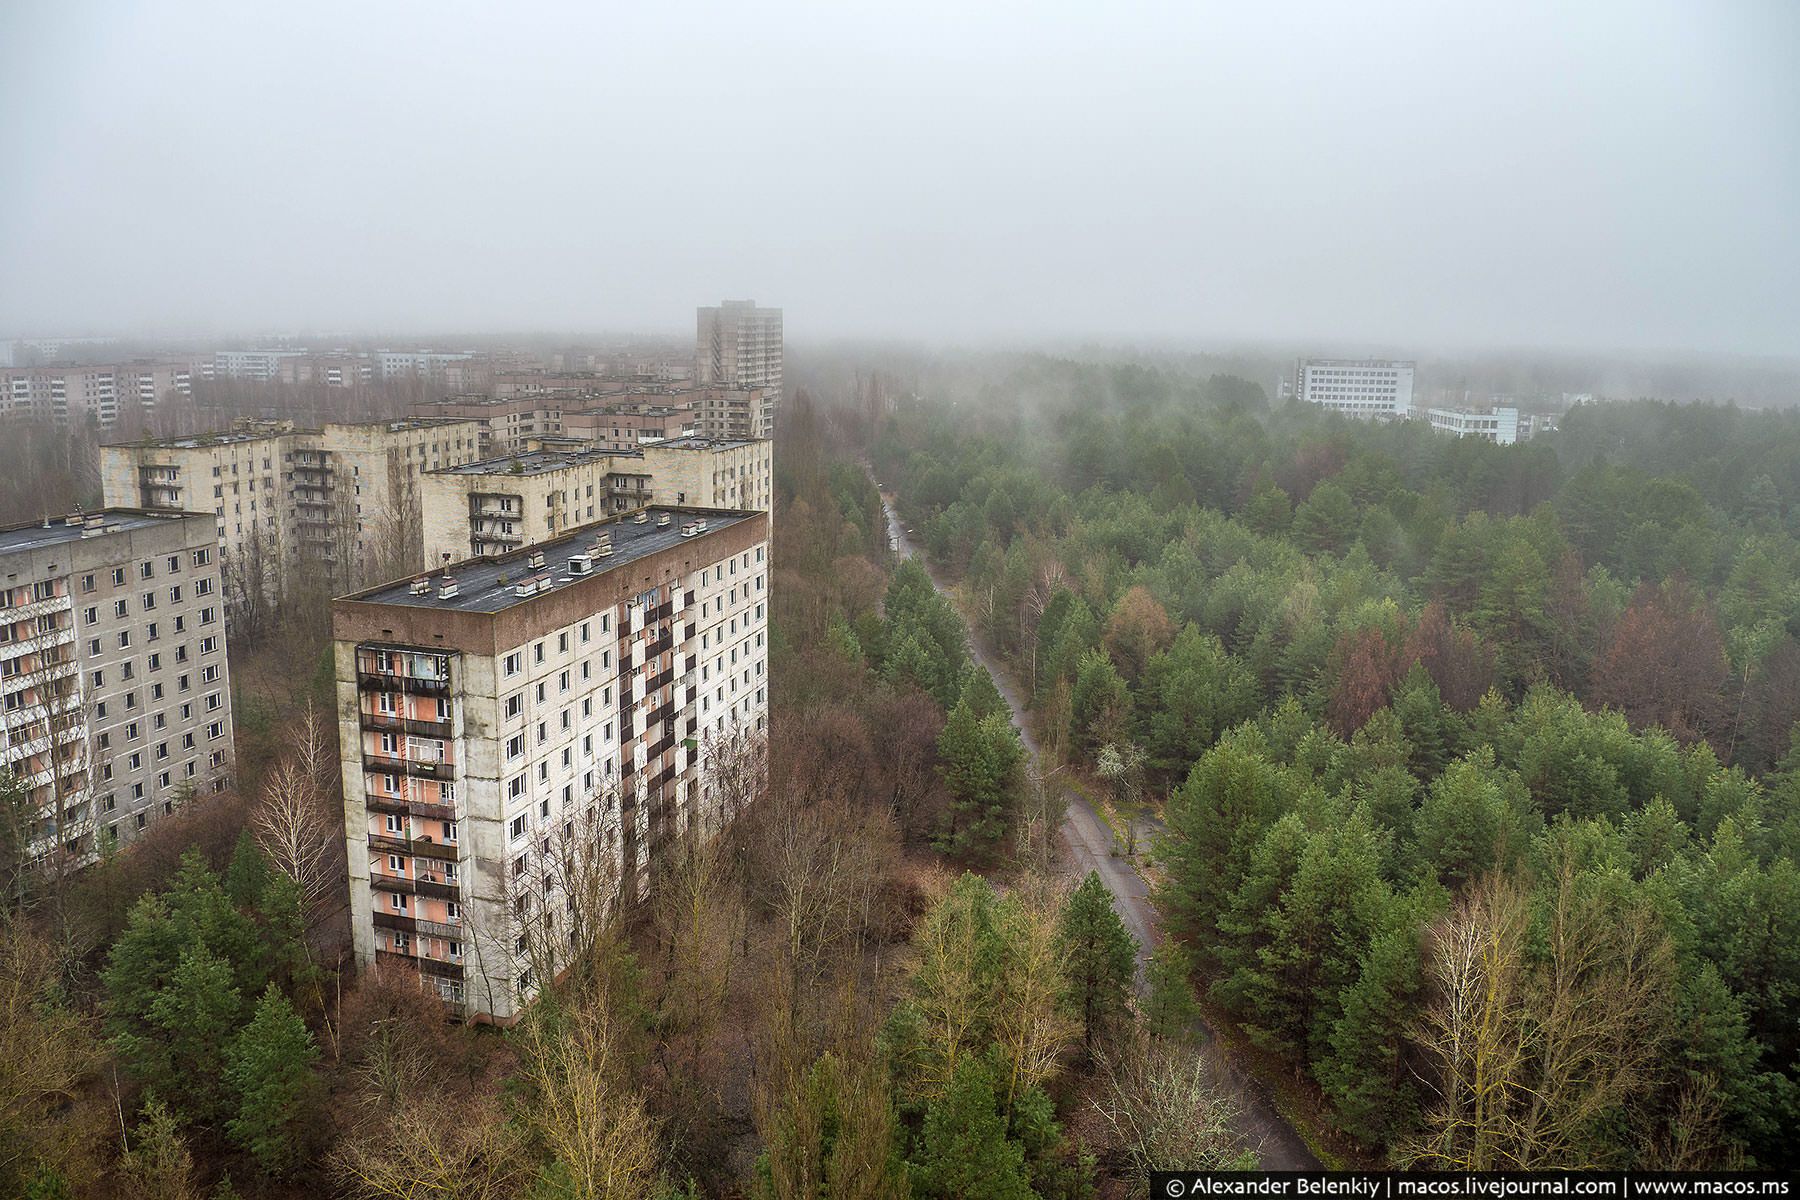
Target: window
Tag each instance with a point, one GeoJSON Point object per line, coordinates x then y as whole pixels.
{"type": "Point", "coordinates": [517, 828]}
{"type": "Point", "coordinates": [202, 557]}
{"type": "Point", "coordinates": [513, 665]}
{"type": "Point", "coordinates": [515, 787]}
{"type": "Point", "coordinates": [515, 746]}
{"type": "Point", "coordinates": [515, 704]}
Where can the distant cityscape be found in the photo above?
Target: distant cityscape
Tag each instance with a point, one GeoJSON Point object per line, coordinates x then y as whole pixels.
{"type": "Point", "coordinates": [527, 538]}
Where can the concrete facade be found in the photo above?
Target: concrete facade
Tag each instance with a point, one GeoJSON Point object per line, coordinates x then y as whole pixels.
{"type": "Point", "coordinates": [338, 496]}
{"type": "Point", "coordinates": [522, 737]}
{"type": "Point", "coordinates": [712, 472]}
{"type": "Point", "coordinates": [1361, 388]}
{"type": "Point", "coordinates": [1499, 425]}
{"type": "Point", "coordinates": [112, 648]}
{"type": "Point", "coordinates": [494, 506]}
{"type": "Point", "coordinates": [738, 349]}
{"type": "Point", "coordinates": [68, 396]}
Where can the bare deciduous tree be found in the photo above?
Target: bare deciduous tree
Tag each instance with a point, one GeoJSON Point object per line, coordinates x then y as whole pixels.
{"type": "Point", "coordinates": [1534, 1052]}
{"type": "Point", "coordinates": [601, 1139]}
{"type": "Point", "coordinates": [1163, 1110]}
{"type": "Point", "coordinates": [295, 821]}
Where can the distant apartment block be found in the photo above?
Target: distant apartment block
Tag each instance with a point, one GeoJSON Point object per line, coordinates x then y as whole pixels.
{"type": "Point", "coordinates": [1364, 388]}
{"type": "Point", "coordinates": [524, 736]}
{"type": "Point", "coordinates": [113, 669]}
{"type": "Point", "coordinates": [29, 352]}
{"type": "Point", "coordinates": [738, 350]}
{"type": "Point", "coordinates": [626, 427]}
{"type": "Point", "coordinates": [615, 420]}
{"type": "Point", "coordinates": [495, 506]}
{"type": "Point", "coordinates": [504, 423]}
{"type": "Point", "coordinates": [262, 366]}
{"type": "Point", "coordinates": [447, 367]}
{"type": "Point", "coordinates": [98, 395]}
{"type": "Point", "coordinates": [68, 396]}
{"type": "Point", "coordinates": [344, 497]}
{"type": "Point", "coordinates": [1501, 425]}
{"type": "Point", "coordinates": [146, 383]}
{"type": "Point", "coordinates": [492, 507]}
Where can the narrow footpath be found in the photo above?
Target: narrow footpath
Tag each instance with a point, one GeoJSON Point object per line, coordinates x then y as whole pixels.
{"type": "Point", "coordinates": [1090, 846]}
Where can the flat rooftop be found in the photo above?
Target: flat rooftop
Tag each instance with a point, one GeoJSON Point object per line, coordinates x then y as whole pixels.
{"type": "Point", "coordinates": [15, 539]}
{"type": "Point", "coordinates": [474, 401]}
{"type": "Point", "coordinates": [478, 585]}
{"type": "Point", "coordinates": [700, 442]}
{"type": "Point", "coordinates": [398, 425]}
{"type": "Point", "coordinates": [226, 437]}
{"type": "Point", "coordinates": [531, 462]}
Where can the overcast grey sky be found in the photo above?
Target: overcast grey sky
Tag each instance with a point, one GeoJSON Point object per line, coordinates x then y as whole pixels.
{"type": "Point", "coordinates": [1568, 174]}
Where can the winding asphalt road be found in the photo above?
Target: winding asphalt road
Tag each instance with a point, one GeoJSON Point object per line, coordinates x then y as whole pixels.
{"type": "Point", "coordinates": [1090, 846]}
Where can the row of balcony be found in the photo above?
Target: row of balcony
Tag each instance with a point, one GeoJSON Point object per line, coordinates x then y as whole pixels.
{"type": "Point", "coordinates": [406, 924]}
{"type": "Point", "coordinates": [416, 685]}
{"type": "Point", "coordinates": [413, 725]}
{"type": "Point", "coordinates": [387, 843]}
{"type": "Point", "coordinates": [413, 962]}
{"type": "Point", "coordinates": [414, 887]}
{"type": "Point", "coordinates": [416, 768]}
{"type": "Point", "coordinates": [381, 803]}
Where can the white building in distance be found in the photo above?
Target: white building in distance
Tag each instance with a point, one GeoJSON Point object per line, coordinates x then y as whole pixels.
{"type": "Point", "coordinates": [1366, 388]}
{"type": "Point", "coordinates": [1498, 425]}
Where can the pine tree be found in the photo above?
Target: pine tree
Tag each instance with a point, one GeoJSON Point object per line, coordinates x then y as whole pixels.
{"type": "Point", "coordinates": [1170, 1009]}
{"type": "Point", "coordinates": [1216, 819]}
{"type": "Point", "coordinates": [964, 1152]}
{"type": "Point", "coordinates": [1366, 1073]}
{"type": "Point", "coordinates": [1101, 958]}
{"type": "Point", "coordinates": [247, 874]}
{"type": "Point", "coordinates": [270, 1072]}
{"type": "Point", "coordinates": [179, 1053]}
{"type": "Point", "coordinates": [981, 758]}
{"type": "Point", "coordinates": [1466, 824]}
{"type": "Point", "coordinates": [978, 691]}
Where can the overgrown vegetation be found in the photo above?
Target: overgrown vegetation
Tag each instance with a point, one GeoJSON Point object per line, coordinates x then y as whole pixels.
{"type": "Point", "coordinates": [818, 1001]}
{"type": "Point", "coordinates": [1480, 778]}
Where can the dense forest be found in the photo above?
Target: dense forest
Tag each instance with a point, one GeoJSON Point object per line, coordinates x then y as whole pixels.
{"type": "Point", "coordinates": [881, 980]}
{"type": "Point", "coordinates": [1475, 763]}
